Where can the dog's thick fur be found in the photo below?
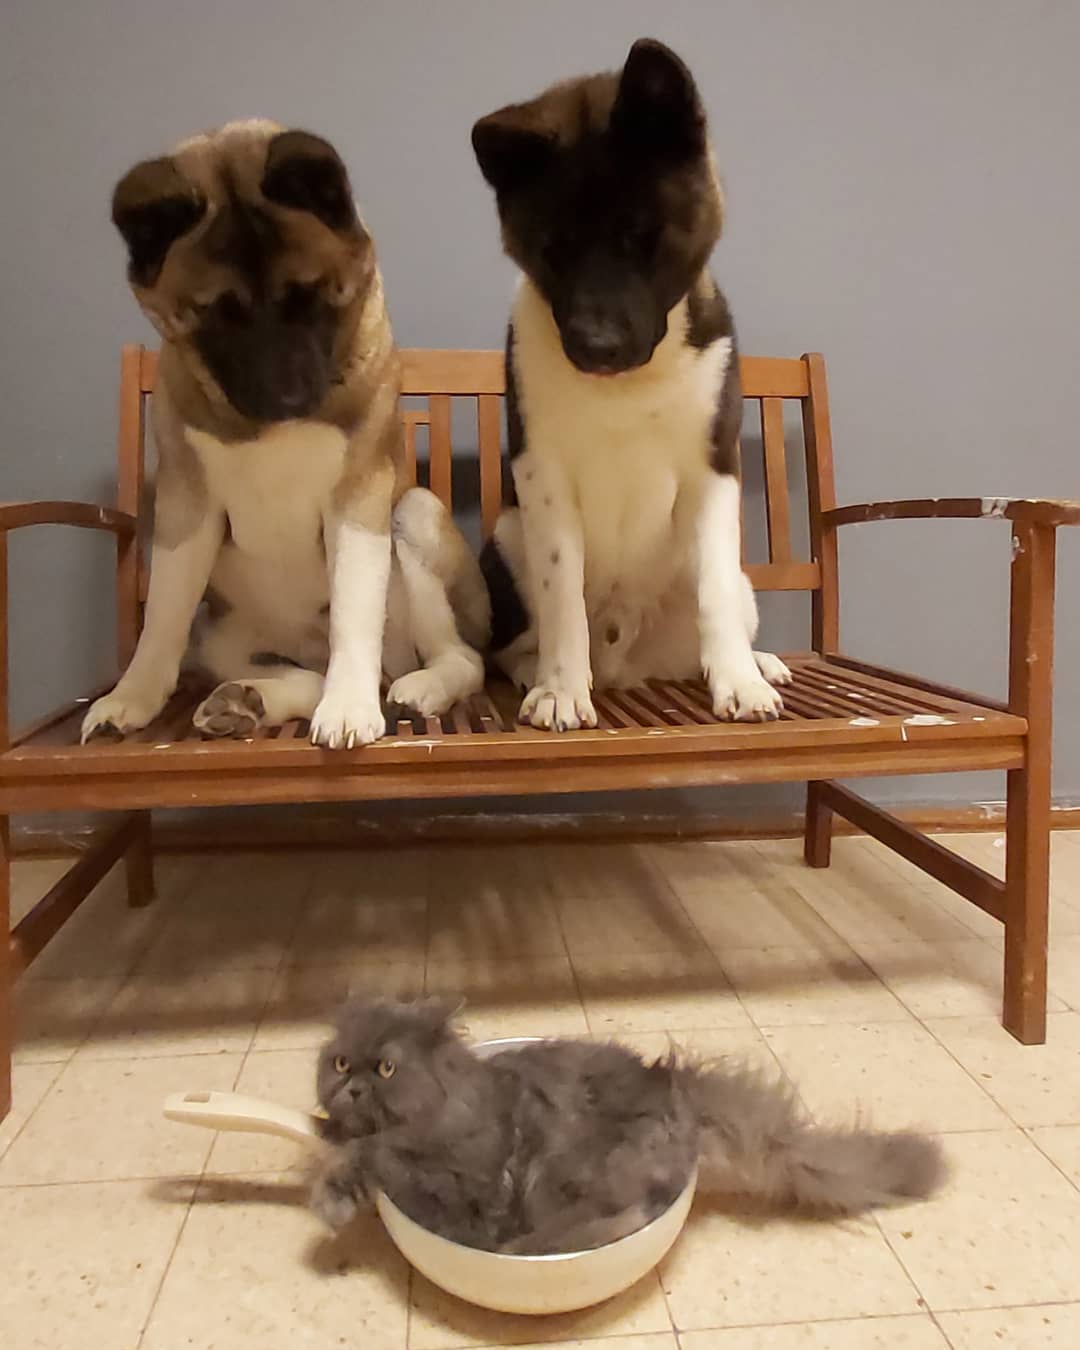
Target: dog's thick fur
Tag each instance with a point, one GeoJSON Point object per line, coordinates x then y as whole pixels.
{"type": "Point", "coordinates": [281, 497]}
{"type": "Point", "coordinates": [619, 557]}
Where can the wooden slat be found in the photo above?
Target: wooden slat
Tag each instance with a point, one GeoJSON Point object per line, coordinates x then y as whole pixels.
{"type": "Point", "coordinates": [917, 682]}
{"type": "Point", "coordinates": [777, 502]}
{"type": "Point", "coordinates": [130, 468]}
{"type": "Point", "coordinates": [411, 419]}
{"type": "Point", "coordinates": [430, 371]}
{"type": "Point", "coordinates": [440, 477]}
{"type": "Point", "coordinates": [821, 492]}
{"type": "Point", "coordinates": [452, 372]}
{"type": "Point", "coordinates": [1033, 510]}
{"type": "Point", "coordinates": [83, 515]}
{"type": "Point", "coordinates": [488, 420]}
{"type": "Point", "coordinates": [792, 576]}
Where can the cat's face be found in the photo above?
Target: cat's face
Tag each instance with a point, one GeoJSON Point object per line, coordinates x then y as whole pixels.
{"type": "Point", "coordinates": [380, 1066]}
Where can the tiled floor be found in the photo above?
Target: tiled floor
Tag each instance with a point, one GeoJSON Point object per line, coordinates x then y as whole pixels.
{"type": "Point", "coordinates": [867, 984]}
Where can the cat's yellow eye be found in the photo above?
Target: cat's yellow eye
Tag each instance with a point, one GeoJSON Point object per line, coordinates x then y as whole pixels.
{"type": "Point", "coordinates": [386, 1068]}
{"type": "Point", "coordinates": [341, 1064]}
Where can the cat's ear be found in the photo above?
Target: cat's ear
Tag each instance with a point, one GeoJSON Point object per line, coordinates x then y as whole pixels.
{"type": "Point", "coordinates": [436, 1012]}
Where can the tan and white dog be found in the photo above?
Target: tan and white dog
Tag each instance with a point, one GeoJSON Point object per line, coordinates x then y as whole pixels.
{"type": "Point", "coordinates": [281, 496]}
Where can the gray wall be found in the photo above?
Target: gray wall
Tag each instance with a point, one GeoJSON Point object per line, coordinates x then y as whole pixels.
{"type": "Point", "coordinates": [903, 193]}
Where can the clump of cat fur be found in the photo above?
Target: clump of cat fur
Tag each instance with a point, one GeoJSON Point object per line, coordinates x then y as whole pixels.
{"type": "Point", "coordinates": [564, 1145]}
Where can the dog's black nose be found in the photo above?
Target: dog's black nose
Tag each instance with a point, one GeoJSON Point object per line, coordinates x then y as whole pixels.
{"type": "Point", "coordinates": [594, 345]}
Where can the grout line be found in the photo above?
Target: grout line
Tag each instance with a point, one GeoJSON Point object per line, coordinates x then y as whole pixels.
{"type": "Point", "coordinates": [1027, 1130]}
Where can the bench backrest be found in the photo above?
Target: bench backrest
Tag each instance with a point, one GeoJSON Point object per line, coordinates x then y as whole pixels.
{"type": "Point", "coordinates": [437, 379]}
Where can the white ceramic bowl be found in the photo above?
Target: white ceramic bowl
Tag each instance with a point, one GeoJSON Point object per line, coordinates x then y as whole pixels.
{"type": "Point", "coordinates": [535, 1284]}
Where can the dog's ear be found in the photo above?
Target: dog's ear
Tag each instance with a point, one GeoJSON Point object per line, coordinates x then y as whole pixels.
{"type": "Point", "coordinates": [657, 107]}
{"type": "Point", "coordinates": [153, 206]}
{"type": "Point", "coordinates": [305, 172]}
{"type": "Point", "coordinates": [508, 149]}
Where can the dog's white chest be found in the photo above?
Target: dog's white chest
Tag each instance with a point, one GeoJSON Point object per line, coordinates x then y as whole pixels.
{"type": "Point", "coordinates": [274, 489]}
{"type": "Point", "coordinates": [633, 450]}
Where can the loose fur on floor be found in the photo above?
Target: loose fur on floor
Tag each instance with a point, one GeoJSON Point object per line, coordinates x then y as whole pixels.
{"type": "Point", "coordinates": [564, 1145]}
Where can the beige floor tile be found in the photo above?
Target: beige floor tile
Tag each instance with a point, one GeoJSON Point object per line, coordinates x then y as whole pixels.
{"type": "Point", "coordinates": [792, 986]}
{"type": "Point", "coordinates": [866, 1333]}
{"type": "Point", "coordinates": [283, 1076]}
{"type": "Point", "coordinates": [199, 938]}
{"type": "Point", "coordinates": [1035, 1084]}
{"type": "Point", "coordinates": [988, 851]}
{"type": "Point", "coordinates": [1004, 1231]}
{"type": "Point", "coordinates": [658, 1340]}
{"type": "Point", "coordinates": [490, 902]}
{"type": "Point", "coordinates": [737, 902]}
{"type": "Point", "coordinates": [153, 1015]}
{"type": "Point", "coordinates": [969, 916]}
{"type": "Point", "coordinates": [664, 991]}
{"type": "Point", "coordinates": [253, 1267]}
{"type": "Point", "coordinates": [534, 996]}
{"type": "Point", "coordinates": [862, 899]}
{"type": "Point", "coordinates": [54, 1017]}
{"type": "Point", "coordinates": [365, 906]}
{"type": "Point", "coordinates": [104, 937]}
{"type": "Point", "coordinates": [1061, 1144]}
{"type": "Point", "coordinates": [438, 1321]}
{"type": "Point", "coordinates": [944, 979]}
{"type": "Point", "coordinates": [248, 881]}
{"type": "Point", "coordinates": [892, 1073]}
{"type": "Point", "coordinates": [1064, 976]}
{"type": "Point", "coordinates": [305, 999]}
{"type": "Point", "coordinates": [31, 878]}
{"type": "Point", "coordinates": [612, 901]}
{"type": "Point", "coordinates": [82, 1263]}
{"type": "Point", "coordinates": [29, 1084]}
{"type": "Point", "coordinates": [731, 1269]}
{"type": "Point", "coordinates": [1048, 1327]}
{"type": "Point", "coordinates": [102, 1121]}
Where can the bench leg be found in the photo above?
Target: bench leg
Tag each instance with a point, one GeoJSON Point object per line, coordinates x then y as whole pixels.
{"type": "Point", "coordinates": [817, 841]}
{"type": "Point", "coordinates": [1027, 902]}
{"type": "Point", "coordinates": [139, 862]}
{"type": "Point", "coordinates": [7, 982]}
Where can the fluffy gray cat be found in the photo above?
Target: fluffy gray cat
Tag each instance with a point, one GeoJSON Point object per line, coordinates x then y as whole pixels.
{"type": "Point", "coordinates": [564, 1145]}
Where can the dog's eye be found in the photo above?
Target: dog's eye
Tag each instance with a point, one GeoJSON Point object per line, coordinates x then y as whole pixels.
{"type": "Point", "coordinates": [297, 302]}
{"type": "Point", "coordinates": [341, 1064]}
{"type": "Point", "coordinates": [231, 308]}
{"type": "Point", "coordinates": [386, 1068]}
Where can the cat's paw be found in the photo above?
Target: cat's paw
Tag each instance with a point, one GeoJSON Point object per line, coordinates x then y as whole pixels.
{"type": "Point", "coordinates": [335, 1204]}
{"type": "Point", "coordinates": [553, 708]}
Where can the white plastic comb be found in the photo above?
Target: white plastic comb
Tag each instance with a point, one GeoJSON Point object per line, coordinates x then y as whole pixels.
{"type": "Point", "coordinates": [251, 1115]}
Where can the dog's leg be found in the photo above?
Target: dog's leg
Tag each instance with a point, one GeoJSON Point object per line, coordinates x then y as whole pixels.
{"type": "Point", "coordinates": [727, 623]}
{"type": "Point", "coordinates": [771, 667]}
{"type": "Point", "coordinates": [178, 579]}
{"type": "Point", "coordinates": [349, 712]}
{"type": "Point", "coordinates": [560, 700]}
{"type": "Point", "coordinates": [430, 559]}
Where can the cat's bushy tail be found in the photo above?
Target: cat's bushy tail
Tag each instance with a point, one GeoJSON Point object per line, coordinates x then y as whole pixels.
{"type": "Point", "coordinates": [755, 1139]}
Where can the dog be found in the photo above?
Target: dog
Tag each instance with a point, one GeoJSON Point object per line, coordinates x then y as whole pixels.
{"type": "Point", "coordinates": [281, 495]}
{"type": "Point", "coordinates": [618, 558]}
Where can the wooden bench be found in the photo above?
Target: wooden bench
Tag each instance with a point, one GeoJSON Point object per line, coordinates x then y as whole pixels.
{"type": "Point", "coordinates": [843, 718]}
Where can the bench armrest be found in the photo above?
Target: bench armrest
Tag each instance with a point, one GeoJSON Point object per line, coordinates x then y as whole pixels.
{"type": "Point", "coordinates": [84, 515]}
{"type": "Point", "coordinates": [1030, 510]}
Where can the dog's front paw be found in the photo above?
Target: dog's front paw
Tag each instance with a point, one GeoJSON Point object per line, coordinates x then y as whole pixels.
{"type": "Point", "coordinates": [743, 699]}
{"type": "Point", "coordinates": [125, 709]}
{"type": "Point", "coordinates": [423, 690]}
{"type": "Point", "coordinates": [334, 1203]}
{"type": "Point", "coordinates": [345, 718]}
{"type": "Point", "coordinates": [553, 708]}
{"type": "Point", "coordinates": [233, 709]}
{"type": "Point", "coordinates": [772, 668]}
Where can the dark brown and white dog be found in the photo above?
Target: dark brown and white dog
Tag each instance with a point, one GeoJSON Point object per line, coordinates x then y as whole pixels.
{"type": "Point", "coordinates": [281, 496]}
{"type": "Point", "coordinates": [619, 559]}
